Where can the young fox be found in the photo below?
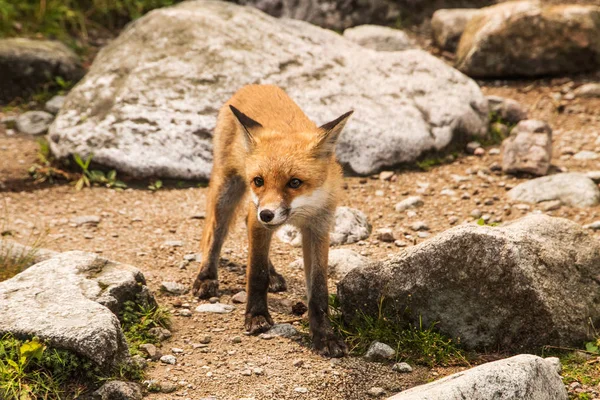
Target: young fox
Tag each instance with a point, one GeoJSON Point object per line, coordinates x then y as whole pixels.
{"type": "Point", "coordinates": [264, 144]}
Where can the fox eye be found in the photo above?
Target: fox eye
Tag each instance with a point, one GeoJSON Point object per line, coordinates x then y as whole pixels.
{"type": "Point", "coordinates": [258, 181]}
{"type": "Point", "coordinates": [295, 183]}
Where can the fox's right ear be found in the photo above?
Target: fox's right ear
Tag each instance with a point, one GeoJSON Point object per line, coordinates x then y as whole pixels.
{"type": "Point", "coordinates": [247, 125]}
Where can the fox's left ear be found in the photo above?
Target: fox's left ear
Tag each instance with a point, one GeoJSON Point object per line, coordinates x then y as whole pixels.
{"type": "Point", "coordinates": [247, 125]}
{"type": "Point", "coordinates": [329, 134]}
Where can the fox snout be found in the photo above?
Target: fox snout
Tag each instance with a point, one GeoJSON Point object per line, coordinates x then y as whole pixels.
{"type": "Point", "coordinates": [273, 214]}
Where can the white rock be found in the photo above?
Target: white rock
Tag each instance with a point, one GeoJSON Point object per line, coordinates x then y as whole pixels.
{"type": "Point", "coordinates": [572, 189]}
{"type": "Point", "coordinates": [586, 155]}
{"type": "Point", "coordinates": [380, 38]}
{"type": "Point", "coordinates": [168, 359]}
{"type": "Point", "coordinates": [341, 261]}
{"type": "Point", "coordinates": [34, 122]}
{"type": "Point", "coordinates": [216, 308]}
{"type": "Point", "coordinates": [409, 202]}
{"type": "Point", "coordinates": [378, 351]}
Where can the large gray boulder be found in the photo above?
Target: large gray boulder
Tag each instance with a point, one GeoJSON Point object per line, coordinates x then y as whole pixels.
{"type": "Point", "coordinates": [152, 112]}
{"type": "Point", "coordinates": [71, 300]}
{"type": "Point", "coordinates": [380, 38]}
{"type": "Point", "coordinates": [26, 64]}
{"type": "Point", "coordinates": [521, 38]}
{"type": "Point", "coordinates": [523, 377]}
{"type": "Point", "coordinates": [529, 283]}
{"type": "Point", "coordinates": [571, 189]}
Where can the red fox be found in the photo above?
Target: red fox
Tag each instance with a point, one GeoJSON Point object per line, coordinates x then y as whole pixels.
{"type": "Point", "coordinates": [265, 145]}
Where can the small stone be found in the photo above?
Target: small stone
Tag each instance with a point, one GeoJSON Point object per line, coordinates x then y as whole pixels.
{"type": "Point", "coordinates": [423, 235]}
{"type": "Point", "coordinates": [588, 90]}
{"type": "Point", "coordinates": [246, 372]}
{"type": "Point", "coordinates": [586, 155]}
{"type": "Point", "coordinates": [177, 350]}
{"type": "Point", "coordinates": [139, 361]}
{"type": "Point", "coordinates": [174, 288]}
{"type": "Point", "coordinates": [206, 339]}
{"type": "Point", "coordinates": [385, 235]}
{"type": "Point", "coordinates": [118, 390]}
{"type": "Point", "coordinates": [550, 205]}
{"type": "Point", "coordinates": [258, 371]}
{"type": "Point", "coordinates": [472, 146]}
{"type": "Point", "coordinates": [34, 122]}
{"type": "Point", "coordinates": [283, 330]}
{"type": "Point", "coordinates": [379, 351]}
{"type": "Point", "coordinates": [376, 392]}
{"type": "Point", "coordinates": [593, 226]}
{"type": "Point", "coordinates": [173, 243]}
{"type": "Point", "coordinates": [448, 192]}
{"type": "Point", "coordinates": [236, 339]}
{"type": "Point", "coordinates": [476, 213]}
{"type": "Point", "coordinates": [266, 336]}
{"type": "Point", "coordinates": [594, 175]}
{"type": "Point", "coordinates": [301, 390]}
{"type": "Point", "coordinates": [419, 226]}
{"type": "Point", "coordinates": [160, 333]}
{"type": "Point", "coordinates": [192, 257]}
{"type": "Point", "coordinates": [386, 175]}
{"type": "Point", "coordinates": [90, 220]}
{"type": "Point", "coordinates": [216, 308]}
{"type": "Point", "coordinates": [150, 350]}
{"type": "Point", "coordinates": [402, 367]}
{"type": "Point", "coordinates": [298, 362]}
{"type": "Point", "coordinates": [168, 387]}
{"type": "Point", "coordinates": [239, 297]}
{"type": "Point", "coordinates": [185, 313]}
{"type": "Point", "coordinates": [213, 300]}
{"type": "Point", "coordinates": [494, 152]}
{"type": "Point", "coordinates": [452, 220]}
{"type": "Point", "coordinates": [409, 202]}
{"type": "Point", "coordinates": [54, 105]}
{"type": "Point", "coordinates": [400, 243]}
{"type": "Point", "coordinates": [480, 151]}
{"type": "Point", "coordinates": [168, 359]}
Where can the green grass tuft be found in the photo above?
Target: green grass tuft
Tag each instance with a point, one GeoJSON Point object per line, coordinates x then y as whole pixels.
{"type": "Point", "coordinates": [137, 319]}
{"type": "Point", "coordinates": [414, 343]}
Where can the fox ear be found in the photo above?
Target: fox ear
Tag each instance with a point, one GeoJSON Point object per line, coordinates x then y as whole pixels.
{"type": "Point", "coordinates": [247, 124]}
{"type": "Point", "coordinates": [329, 134]}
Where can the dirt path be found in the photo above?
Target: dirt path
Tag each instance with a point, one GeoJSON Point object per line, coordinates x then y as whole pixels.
{"type": "Point", "coordinates": [136, 223]}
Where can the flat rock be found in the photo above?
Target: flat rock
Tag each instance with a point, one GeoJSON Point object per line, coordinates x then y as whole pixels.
{"type": "Point", "coordinates": [341, 261]}
{"type": "Point", "coordinates": [448, 25]}
{"type": "Point", "coordinates": [175, 288]}
{"type": "Point", "coordinates": [402, 367]}
{"type": "Point", "coordinates": [71, 301]}
{"type": "Point", "coordinates": [528, 149]}
{"type": "Point", "coordinates": [118, 390]}
{"type": "Point", "coordinates": [284, 330]}
{"type": "Point", "coordinates": [565, 38]}
{"type": "Point", "coordinates": [378, 351]}
{"type": "Point", "coordinates": [239, 297]}
{"type": "Point", "coordinates": [572, 189]}
{"type": "Point", "coordinates": [34, 122]}
{"type": "Point", "coordinates": [92, 220]}
{"type": "Point", "coordinates": [588, 90]}
{"type": "Point", "coordinates": [409, 202]}
{"type": "Point", "coordinates": [147, 118]}
{"type": "Point", "coordinates": [54, 105]}
{"type": "Point", "coordinates": [351, 225]}
{"type": "Point", "coordinates": [586, 155]}
{"type": "Point", "coordinates": [526, 284]}
{"type": "Point", "coordinates": [28, 64]}
{"type": "Point", "coordinates": [380, 38]}
{"type": "Point", "coordinates": [216, 308]}
{"type": "Point", "coordinates": [520, 377]}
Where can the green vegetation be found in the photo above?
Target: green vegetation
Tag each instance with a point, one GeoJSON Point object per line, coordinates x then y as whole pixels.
{"type": "Point", "coordinates": [415, 343]}
{"type": "Point", "coordinates": [65, 19]}
{"type": "Point", "coordinates": [481, 222]}
{"type": "Point", "coordinates": [137, 318]}
{"type": "Point", "coordinates": [157, 185]}
{"type": "Point", "coordinates": [428, 163]}
{"type": "Point", "coordinates": [45, 169]}
{"type": "Point", "coordinates": [496, 134]}
{"type": "Point", "coordinates": [97, 177]}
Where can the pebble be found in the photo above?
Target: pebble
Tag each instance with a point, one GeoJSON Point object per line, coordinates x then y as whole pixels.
{"type": "Point", "coordinates": [168, 387]}
{"type": "Point", "coordinates": [385, 235]}
{"type": "Point", "coordinates": [239, 297]}
{"type": "Point", "coordinates": [593, 226]}
{"type": "Point", "coordinates": [409, 202]}
{"type": "Point", "coordinates": [376, 392]}
{"type": "Point", "coordinates": [386, 175]}
{"type": "Point", "coordinates": [452, 220]}
{"type": "Point", "coordinates": [494, 152]}
{"type": "Point", "coordinates": [177, 350]}
{"type": "Point", "coordinates": [550, 205]}
{"type": "Point", "coordinates": [185, 313]}
{"type": "Point", "coordinates": [206, 339]}
{"type": "Point", "coordinates": [298, 362]}
{"type": "Point", "coordinates": [594, 175]}
{"type": "Point", "coordinates": [400, 243]}
{"type": "Point", "coordinates": [423, 235]}
{"type": "Point", "coordinates": [160, 333]}
{"type": "Point", "coordinates": [174, 288]}
{"type": "Point", "coordinates": [480, 151]}
{"type": "Point", "coordinates": [81, 220]}
{"type": "Point", "coordinates": [213, 300]}
{"type": "Point", "coordinates": [301, 390]}
{"type": "Point", "coordinates": [236, 339]}
{"type": "Point", "coordinates": [258, 371]}
{"type": "Point", "coordinates": [54, 105]}
{"type": "Point", "coordinates": [283, 330]}
{"type": "Point", "coordinates": [402, 367]}
{"type": "Point", "coordinates": [419, 226]}
{"type": "Point", "coordinates": [168, 359]}
{"type": "Point", "coordinates": [448, 192]}
{"type": "Point", "coordinates": [379, 351]}
{"type": "Point", "coordinates": [476, 213]}
{"type": "Point", "coordinates": [472, 146]}
{"type": "Point", "coordinates": [149, 349]}
{"type": "Point", "coordinates": [216, 308]}
{"type": "Point", "coordinates": [34, 122]}
{"type": "Point", "coordinates": [173, 243]}
{"type": "Point", "coordinates": [246, 372]}
{"type": "Point", "coordinates": [586, 155]}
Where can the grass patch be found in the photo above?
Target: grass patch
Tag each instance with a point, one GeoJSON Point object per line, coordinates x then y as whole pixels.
{"type": "Point", "coordinates": [428, 163]}
{"type": "Point", "coordinates": [496, 135]}
{"type": "Point", "coordinates": [138, 318]}
{"type": "Point", "coordinates": [413, 343]}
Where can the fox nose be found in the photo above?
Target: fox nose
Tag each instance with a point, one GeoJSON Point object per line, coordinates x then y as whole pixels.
{"type": "Point", "coordinates": [266, 215]}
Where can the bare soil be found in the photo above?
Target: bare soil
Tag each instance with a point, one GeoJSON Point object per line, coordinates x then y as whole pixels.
{"type": "Point", "coordinates": [136, 223]}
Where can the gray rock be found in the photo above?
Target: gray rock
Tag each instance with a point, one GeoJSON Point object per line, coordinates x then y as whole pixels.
{"type": "Point", "coordinates": [524, 377]}
{"type": "Point", "coordinates": [379, 38]}
{"type": "Point", "coordinates": [528, 148]}
{"type": "Point", "coordinates": [174, 288]}
{"type": "Point", "coordinates": [402, 367]}
{"type": "Point", "coordinates": [216, 308]}
{"type": "Point", "coordinates": [572, 189]}
{"type": "Point", "coordinates": [509, 110]}
{"type": "Point", "coordinates": [28, 64]}
{"type": "Point", "coordinates": [585, 155]}
{"type": "Point", "coordinates": [139, 361]}
{"type": "Point", "coordinates": [34, 122]}
{"type": "Point", "coordinates": [378, 351]}
{"type": "Point", "coordinates": [385, 235]}
{"type": "Point", "coordinates": [351, 225]}
{"type": "Point", "coordinates": [447, 26]}
{"type": "Point", "coordinates": [168, 359]}
{"type": "Point", "coordinates": [565, 38]}
{"type": "Point", "coordinates": [341, 261]}
{"type": "Point", "coordinates": [168, 387]}
{"type": "Point", "coordinates": [515, 287]}
{"type": "Point", "coordinates": [74, 306]}
{"type": "Point", "coordinates": [595, 226]}
{"type": "Point", "coordinates": [409, 202]}
{"type": "Point", "coordinates": [119, 390]}
{"type": "Point", "coordinates": [284, 330]}
{"type": "Point", "coordinates": [376, 391]}
{"type": "Point", "coordinates": [160, 333]}
{"type": "Point", "coordinates": [150, 350]}
{"type": "Point", "coordinates": [54, 105]}
{"type": "Point", "coordinates": [164, 126]}
{"type": "Point", "coordinates": [240, 297]}
{"type": "Point", "coordinates": [593, 175]}
{"type": "Point", "coordinates": [419, 226]}
{"type": "Point", "coordinates": [471, 147]}
{"type": "Point", "coordinates": [173, 243]}
{"type": "Point", "coordinates": [92, 220]}
{"type": "Point", "coordinates": [588, 90]}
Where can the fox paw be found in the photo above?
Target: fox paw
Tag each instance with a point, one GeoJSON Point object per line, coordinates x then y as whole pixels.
{"type": "Point", "coordinates": [206, 288]}
{"type": "Point", "coordinates": [256, 324]}
{"type": "Point", "coordinates": [277, 283]}
{"type": "Point", "coordinates": [329, 345]}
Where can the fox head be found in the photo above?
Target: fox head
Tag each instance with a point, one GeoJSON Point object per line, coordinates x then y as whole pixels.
{"type": "Point", "coordinates": [288, 173]}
